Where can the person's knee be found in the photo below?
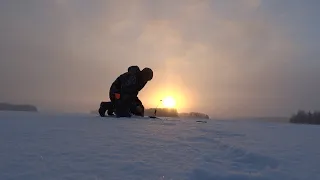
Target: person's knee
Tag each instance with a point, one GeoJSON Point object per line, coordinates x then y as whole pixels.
{"type": "Point", "coordinates": [139, 109]}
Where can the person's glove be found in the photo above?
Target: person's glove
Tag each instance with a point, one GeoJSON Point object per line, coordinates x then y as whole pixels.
{"type": "Point", "coordinates": [117, 96]}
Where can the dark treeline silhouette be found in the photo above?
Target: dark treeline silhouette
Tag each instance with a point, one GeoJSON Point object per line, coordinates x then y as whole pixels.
{"type": "Point", "coordinates": [12, 107]}
{"type": "Point", "coordinates": [194, 114]}
{"type": "Point", "coordinates": [306, 117]}
{"type": "Point", "coordinates": [162, 112]}
{"type": "Point", "coordinates": [172, 112]}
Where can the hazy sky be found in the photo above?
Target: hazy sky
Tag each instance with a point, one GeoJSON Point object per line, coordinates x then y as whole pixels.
{"type": "Point", "coordinates": [221, 57]}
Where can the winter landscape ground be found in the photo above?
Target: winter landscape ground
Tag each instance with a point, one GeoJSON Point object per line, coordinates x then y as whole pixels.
{"type": "Point", "coordinates": [38, 146]}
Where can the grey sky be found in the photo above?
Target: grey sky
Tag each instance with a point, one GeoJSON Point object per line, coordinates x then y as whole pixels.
{"type": "Point", "coordinates": [222, 57]}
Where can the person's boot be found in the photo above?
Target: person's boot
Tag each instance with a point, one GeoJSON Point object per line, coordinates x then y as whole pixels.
{"type": "Point", "coordinates": [104, 106]}
{"type": "Point", "coordinates": [102, 111]}
{"type": "Point", "coordinates": [110, 112]}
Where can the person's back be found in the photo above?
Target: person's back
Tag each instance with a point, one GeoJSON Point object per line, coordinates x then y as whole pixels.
{"type": "Point", "coordinates": [126, 83]}
{"type": "Point", "coordinates": [131, 82]}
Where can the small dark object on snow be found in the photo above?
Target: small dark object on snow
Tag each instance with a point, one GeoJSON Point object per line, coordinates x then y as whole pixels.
{"type": "Point", "coordinates": [201, 121]}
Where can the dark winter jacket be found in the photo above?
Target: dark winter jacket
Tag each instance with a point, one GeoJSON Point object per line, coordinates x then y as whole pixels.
{"type": "Point", "coordinates": [128, 84]}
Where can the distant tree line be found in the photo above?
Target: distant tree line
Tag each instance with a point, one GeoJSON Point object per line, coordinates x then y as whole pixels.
{"type": "Point", "coordinates": [162, 112]}
{"type": "Point", "coordinates": [306, 117]}
{"type": "Point", "coordinates": [195, 115]}
{"type": "Point", "coordinates": [12, 107]}
{"type": "Point", "coordinates": [172, 112]}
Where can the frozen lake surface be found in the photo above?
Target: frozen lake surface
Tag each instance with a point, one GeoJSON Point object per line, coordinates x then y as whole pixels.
{"type": "Point", "coordinates": [37, 146]}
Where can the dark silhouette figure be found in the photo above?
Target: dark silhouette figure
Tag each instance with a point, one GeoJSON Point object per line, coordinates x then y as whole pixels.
{"type": "Point", "coordinates": [124, 93]}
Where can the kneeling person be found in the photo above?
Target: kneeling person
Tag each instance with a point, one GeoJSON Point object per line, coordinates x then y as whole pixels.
{"type": "Point", "coordinates": [124, 91]}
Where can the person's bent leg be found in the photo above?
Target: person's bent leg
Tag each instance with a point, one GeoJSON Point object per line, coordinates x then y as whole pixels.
{"type": "Point", "coordinates": [123, 106]}
{"type": "Point", "coordinates": [137, 108]}
{"type": "Point", "coordinates": [112, 104]}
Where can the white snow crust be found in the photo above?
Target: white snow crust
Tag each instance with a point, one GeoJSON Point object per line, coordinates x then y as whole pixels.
{"type": "Point", "coordinates": [39, 146]}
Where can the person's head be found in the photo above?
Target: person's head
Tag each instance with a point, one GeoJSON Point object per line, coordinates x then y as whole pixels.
{"type": "Point", "coordinates": [133, 69]}
{"type": "Point", "coordinates": [147, 74]}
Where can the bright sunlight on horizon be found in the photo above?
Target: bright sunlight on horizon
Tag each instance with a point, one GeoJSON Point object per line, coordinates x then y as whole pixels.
{"type": "Point", "coordinates": [169, 102]}
{"type": "Point", "coordinates": [170, 96]}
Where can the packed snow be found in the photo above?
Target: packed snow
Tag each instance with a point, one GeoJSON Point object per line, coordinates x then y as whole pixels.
{"type": "Point", "coordinates": [38, 146]}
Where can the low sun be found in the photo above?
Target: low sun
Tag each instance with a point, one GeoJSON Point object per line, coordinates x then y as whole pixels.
{"type": "Point", "coordinates": [169, 102]}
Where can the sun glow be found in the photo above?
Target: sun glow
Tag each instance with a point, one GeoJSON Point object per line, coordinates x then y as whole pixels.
{"type": "Point", "coordinates": [169, 102]}
{"type": "Point", "coordinates": [171, 96]}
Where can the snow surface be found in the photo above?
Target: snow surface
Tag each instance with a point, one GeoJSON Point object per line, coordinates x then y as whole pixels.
{"type": "Point", "coordinates": [36, 146]}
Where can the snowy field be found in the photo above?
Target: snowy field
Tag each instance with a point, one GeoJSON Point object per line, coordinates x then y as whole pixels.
{"type": "Point", "coordinates": [36, 146]}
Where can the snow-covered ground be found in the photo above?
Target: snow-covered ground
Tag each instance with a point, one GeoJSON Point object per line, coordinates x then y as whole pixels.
{"type": "Point", "coordinates": [35, 146]}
